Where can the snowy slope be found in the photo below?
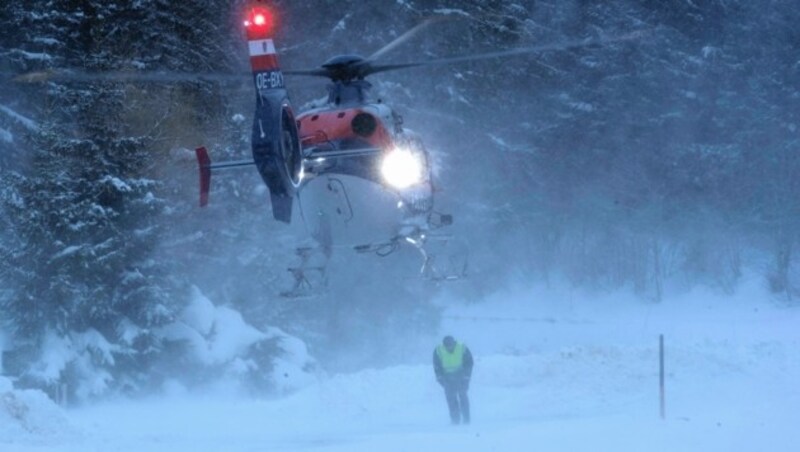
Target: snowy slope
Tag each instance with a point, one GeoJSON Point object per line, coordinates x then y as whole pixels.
{"type": "Point", "coordinates": [554, 371]}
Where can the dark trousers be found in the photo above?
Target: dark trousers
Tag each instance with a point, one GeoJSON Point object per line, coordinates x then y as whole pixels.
{"type": "Point", "coordinates": [455, 391]}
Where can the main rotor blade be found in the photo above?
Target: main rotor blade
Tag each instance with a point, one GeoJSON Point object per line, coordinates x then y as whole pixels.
{"type": "Point", "coordinates": [509, 53]}
{"type": "Point", "coordinates": [364, 66]}
{"type": "Point", "coordinates": [403, 38]}
{"type": "Point", "coordinates": [131, 77]}
{"type": "Point", "coordinates": [309, 72]}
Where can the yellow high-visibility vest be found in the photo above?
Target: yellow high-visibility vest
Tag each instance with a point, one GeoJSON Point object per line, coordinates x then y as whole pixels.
{"type": "Point", "coordinates": [451, 362]}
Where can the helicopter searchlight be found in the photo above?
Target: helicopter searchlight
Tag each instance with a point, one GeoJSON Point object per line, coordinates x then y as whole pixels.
{"type": "Point", "coordinates": [401, 168]}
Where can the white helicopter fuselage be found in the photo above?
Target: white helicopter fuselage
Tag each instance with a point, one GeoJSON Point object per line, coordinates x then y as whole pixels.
{"type": "Point", "coordinates": [349, 211]}
{"type": "Point", "coordinates": [369, 199]}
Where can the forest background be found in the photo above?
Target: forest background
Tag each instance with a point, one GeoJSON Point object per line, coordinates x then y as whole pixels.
{"type": "Point", "coordinates": [654, 165]}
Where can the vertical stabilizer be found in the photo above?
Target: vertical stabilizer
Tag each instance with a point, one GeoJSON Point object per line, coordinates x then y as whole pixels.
{"type": "Point", "coordinates": [275, 143]}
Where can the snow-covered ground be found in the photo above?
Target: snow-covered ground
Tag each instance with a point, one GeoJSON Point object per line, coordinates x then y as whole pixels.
{"type": "Point", "coordinates": [554, 371]}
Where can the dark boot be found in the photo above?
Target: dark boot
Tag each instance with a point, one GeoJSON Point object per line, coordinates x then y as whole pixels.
{"type": "Point", "coordinates": [451, 393]}
{"type": "Point", "coordinates": [463, 401]}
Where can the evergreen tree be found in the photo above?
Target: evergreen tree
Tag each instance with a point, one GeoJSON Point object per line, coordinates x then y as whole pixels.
{"type": "Point", "coordinates": [84, 209]}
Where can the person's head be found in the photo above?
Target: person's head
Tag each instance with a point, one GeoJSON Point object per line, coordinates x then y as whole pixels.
{"type": "Point", "coordinates": [449, 343]}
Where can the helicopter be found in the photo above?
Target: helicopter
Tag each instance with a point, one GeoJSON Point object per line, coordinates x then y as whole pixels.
{"type": "Point", "coordinates": [356, 174]}
{"type": "Point", "coordinates": [348, 169]}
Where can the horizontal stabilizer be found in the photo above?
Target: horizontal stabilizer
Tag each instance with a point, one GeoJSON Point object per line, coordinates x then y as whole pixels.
{"type": "Point", "coordinates": [204, 162]}
{"type": "Point", "coordinates": [341, 153]}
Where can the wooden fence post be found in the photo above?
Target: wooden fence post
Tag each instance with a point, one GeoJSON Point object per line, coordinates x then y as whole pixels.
{"type": "Point", "coordinates": [661, 374]}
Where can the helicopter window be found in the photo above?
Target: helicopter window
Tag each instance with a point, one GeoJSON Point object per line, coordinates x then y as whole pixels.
{"type": "Point", "coordinates": [363, 124]}
{"type": "Point", "coordinates": [315, 117]}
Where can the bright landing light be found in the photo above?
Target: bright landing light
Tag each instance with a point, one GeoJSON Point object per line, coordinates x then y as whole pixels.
{"type": "Point", "coordinates": [401, 168]}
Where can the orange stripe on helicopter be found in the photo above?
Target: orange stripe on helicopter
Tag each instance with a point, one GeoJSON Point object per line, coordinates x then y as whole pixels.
{"type": "Point", "coordinates": [324, 127]}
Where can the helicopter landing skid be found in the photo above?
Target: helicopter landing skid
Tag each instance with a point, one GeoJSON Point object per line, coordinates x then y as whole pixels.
{"type": "Point", "coordinates": [310, 277]}
{"type": "Point", "coordinates": [381, 249]}
{"type": "Point", "coordinates": [443, 257]}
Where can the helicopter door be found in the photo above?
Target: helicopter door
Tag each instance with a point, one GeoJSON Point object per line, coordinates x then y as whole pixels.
{"type": "Point", "coordinates": [341, 205]}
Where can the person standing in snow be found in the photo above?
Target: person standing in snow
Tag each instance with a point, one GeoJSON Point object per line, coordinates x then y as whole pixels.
{"type": "Point", "coordinates": [452, 364]}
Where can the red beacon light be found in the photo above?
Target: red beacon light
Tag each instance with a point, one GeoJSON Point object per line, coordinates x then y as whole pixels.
{"type": "Point", "coordinates": [260, 20]}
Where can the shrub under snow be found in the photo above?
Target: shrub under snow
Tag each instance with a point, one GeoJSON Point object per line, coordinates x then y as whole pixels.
{"type": "Point", "coordinates": [30, 413]}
